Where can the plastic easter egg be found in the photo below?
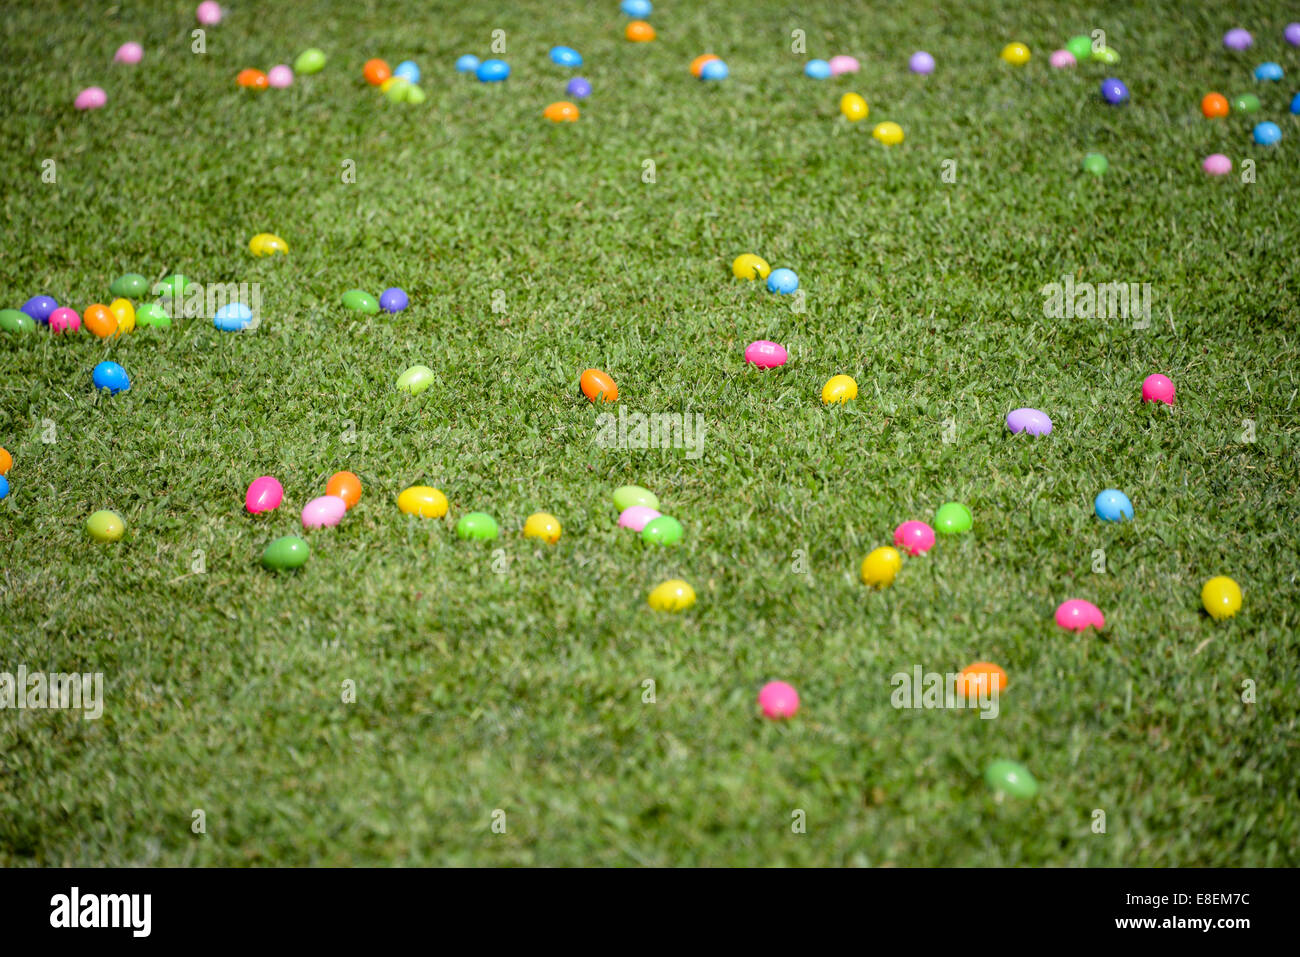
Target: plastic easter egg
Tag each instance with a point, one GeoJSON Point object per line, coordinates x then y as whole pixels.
{"type": "Point", "coordinates": [1246, 103]}
{"type": "Point", "coordinates": [566, 57]}
{"type": "Point", "coordinates": [467, 63]}
{"type": "Point", "coordinates": [322, 512]}
{"type": "Point", "coordinates": [309, 61]}
{"type": "Point", "coordinates": [1017, 54]}
{"type": "Point", "coordinates": [921, 62]}
{"type": "Point", "coordinates": [1096, 164]}
{"type": "Point", "coordinates": [15, 320]}
{"type": "Point", "coordinates": [913, 537]}
{"type": "Point", "coordinates": [597, 385]}
{"type": "Point", "coordinates": [91, 98]}
{"type": "Point", "coordinates": [663, 530]}
{"type": "Point", "coordinates": [636, 8]}
{"type": "Point", "coordinates": [267, 244]}
{"type": "Point", "coordinates": [393, 300]}
{"type": "Point", "coordinates": [1080, 46]}
{"type": "Point", "coordinates": [891, 134]}
{"type": "Point", "coordinates": [129, 53]}
{"type": "Point", "coordinates": [1268, 72]}
{"type": "Point", "coordinates": [252, 79]}
{"type": "Point", "coordinates": [543, 525]}
{"type": "Point", "coordinates": [105, 526]}
{"type": "Point", "coordinates": [1105, 55]}
{"type": "Point", "coordinates": [124, 312]}
{"type": "Point", "coordinates": [1114, 91]}
{"type": "Point", "coordinates": [854, 107]}
{"type": "Point", "coordinates": [174, 287]}
{"type": "Point", "coordinates": [766, 354]}
{"type": "Point", "coordinates": [376, 71]}
{"type": "Point", "coordinates": [130, 286]}
{"type": "Point", "coordinates": [1214, 106]}
{"type": "Point", "coordinates": [1295, 103]}
{"type": "Point", "coordinates": [778, 700]}
{"type": "Point", "coordinates": [280, 76]}
{"type": "Point", "coordinates": [839, 388]}
{"type": "Point", "coordinates": [408, 70]}
{"type": "Point", "coordinates": [415, 95]}
{"type": "Point", "coordinates": [1008, 777]}
{"type": "Point", "coordinates": [360, 301]}
{"type": "Point", "coordinates": [579, 88]}
{"type": "Point", "coordinates": [637, 517]}
{"type": "Point", "coordinates": [782, 281]}
{"type": "Point", "coordinates": [817, 69]}
{"type": "Point", "coordinates": [638, 31]}
{"type": "Point", "coordinates": [1158, 388]}
{"type": "Point", "coordinates": [233, 317]}
{"type": "Point", "coordinates": [100, 321]}
{"type": "Point", "coordinates": [697, 65]}
{"type": "Point", "coordinates": [749, 266]}
{"type": "Point", "coordinates": [953, 518]}
{"type": "Point", "coordinates": [1238, 39]}
{"type": "Point", "coordinates": [476, 526]}
{"type": "Point", "coordinates": [672, 595]}
{"type": "Point", "coordinates": [492, 71]}
{"type": "Point", "coordinates": [1112, 505]}
{"type": "Point", "coordinates": [1266, 134]}
{"type": "Point", "coordinates": [265, 493]}
{"type": "Point", "coordinates": [110, 376]}
{"type": "Point", "coordinates": [398, 90]}
{"type": "Point", "coordinates": [346, 486]}
{"type": "Point", "coordinates": [1221, 597]}
{"type": "Point", "coordinates": [6, 461]}
{"type": "Point", "coordinates": [209, 13]}
{"type": "Point", "coordinates": [64, 320]}
{"type": "Point", "coordinates": [424, 501]}
{"type": "Point", "coordinates": [285, 554]}
{"type": "Point", "coordinates": [980, 679]}
{"type": "Point", "coordinates": [1079, 615]}
{"type": "Point", "coordinates": [153, 315]}
{"type": "Point", "coordinates": [843, 63]}
{"type": "Point", "coordinates": [1216, 164]}
{"type": "Point", "coordinates": [625, 496]}
{"type": "Point", "coordinates": [1029, 421]}
{"type": "Point", "coordinates": [561, 112]}
{"type": "Point", "coordinates": [714, 70]}
{"type": "Point", "coordinates": [881, 567]}
{"type": "Point", "coordinates": [1292, 34]}
{"type": "Point", "coordinates": [1062, 59]}
{"type": "Point", "coordinates": [4, 487]}
{"type": "Point", "coordinates": [415, 380]}
{"type": "Point", "coordinates": [40, 308]}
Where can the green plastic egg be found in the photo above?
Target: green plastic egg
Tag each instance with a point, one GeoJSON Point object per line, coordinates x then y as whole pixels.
{"type": "Point", "coordinates": [398, 89]}
{"type": "Point", "coordinates": [1096, 164]}
{"type": "Point", "coordinates": [310, 60]}
{"type": "Point", "coordinates": [1245, 103]}
{"type": "Point", "coordinates": [415, 380]}
{"type": "Point", "coordinates": [626, 496]}
{"type": "Point", "coordinates": [1105, 55]}
{"type": "Point", "coordinates": [477, 525]}
{"type": "Point", "coordinates": [1080, 46]}
{"type": "Point", "coordinates": [360, 300]}
{"type": "Point", "coordinates": [130, 286]}
{"type": "Point", "coordinates": [174, 286]}
{"type": "Point", "coordinates": [663, 530]}
{"type": "Point", "coordinates": [105, 526]}
{"type": "Point", "coordinates": [286, 553]}
{"type": "Point", "coordinates": [152, 314]}
{"type": "Point", "coordinates": [953, 518]}
{"type": "Point", "coordinates": [1011, 778]}
{"type": "Point", "coordinates": [13, 320]}
{"type": "Point", "coordinates": [415, 95]}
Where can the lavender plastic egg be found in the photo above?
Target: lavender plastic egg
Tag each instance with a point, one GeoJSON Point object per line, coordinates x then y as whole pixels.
{"type": "Point", "coordinates": [393, 300]}
{"type": "Point", "coordinates": [921, 62]}
{"type": "Point", "coordinates": [579, 88]}
{"type": "Point", "coordinates": [1292, 34]}
{"type": "Point", "coordinates": [1030, 421]}
{"type": "Point", "coordinates": [1237, 39]}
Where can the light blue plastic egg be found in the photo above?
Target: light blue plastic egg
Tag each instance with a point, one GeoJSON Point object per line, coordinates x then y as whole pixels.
{"type": "Point", "coordinates": [467, 63]}
{"type": "Point", "coordinates": [714, 70]}
{"type": "Point", "coordinates": [233, 317]}
{"type": "Point", "coordinates": [817, 69]}
{"type": "Point", "coordinates": [1112, 505]}
{"type": "Point", "coordinates": [636, 9]}
{"type": "Point", "coordinates": [782, 281]}
{"type": "Point", "coordinates": [110, 376]}
{"type": "Point", "coordinates": [566, 56]}
{"type": "Point", "coordinates": [492, 71]}
{"type": "Point", "coordinates": [1268, 71]}
{"type": "Point", "coordinates": [1266, 134]}
{"type": "Point", "coordinates": [408, 70]}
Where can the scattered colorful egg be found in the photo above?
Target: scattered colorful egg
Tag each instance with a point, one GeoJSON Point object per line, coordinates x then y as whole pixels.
{"type": "Point", "coordinates": [766, 354]}
{"type": "Point", "coordinates": [129, 53]}
{"type": "Point", "coordinates": [393, 299]}
{"type": "Point", "coordinates": [714, 70]}
{"type": "Point", "coordinates": [1267, 134]}
{"type": "Point", "coordinates": [1216, 164]}
{"type": "Point", "coordinates": [252, 79]}
{"type": "Point", "coordinates": [981, 678]}
{"type": "Point", "coordinates": [15, 320]}
{"type": "Point", "coordinates": [345, 485]}
{"type": "Point", "coordinates": [561, 112]}
{"type": "Point", "coordinates": [40, 308]}
{"type": "Point", "coordinates": [396, 89]}
{"type": "Point", "coordinates": [953, 518]}
{"type": "Point", "coordinates": [424, 501]}
{"type": "Point", "coordinates": [597, 385]}
{"type": "Point", "coordinates": [921, 62]}
{"type": "Point", "coordinates": [638, 31]}
{"type": "Point", "coordinates": [1008, 777]}
{"type": "Point", "coordinates": [154, 315]}
{"type": "Point", "coordinates": [209, 13]}
{"type": "Point", "coordinates": [1112, 505]}
{"type": "Point", "coordinates": [1268, 72]}
{"type": "Point", "coordinates": [100, 321]}
{"type": "Point", "coordinates": [4, 487]}
{"type": "Point", "coordinates": [124, 312]}
{"type": "Point", "coordinates": [881, 566]}
{"type": "Point", "coordinates": [782, 281]}
{"type": "Point", "coordinates": [663, 530]}
{"type": "Point", "coordinates": [280, 76]}
{"type": "Point", "coordinates": [1246, 103]}
{"type": "Point", "coordinates": [264, 494]}
{"type": "Point", "coordinates": [1080, 46]}
{"type": "Point", "coordinates": [64, 320]}
{"type": "Point", "coordinates": [467, 63]}
{"type": "Point", "coordinates": [843, 63]}
{"type": "Point", "coordinates": [566, 57]}
{"type": "Point", "coordinates": [1096, 164]}
{"type": "Point", "coordinates": [817, 69]}
{"type": "Point", "coordinates": [1295, 103]}
{"type": "Point", "coordinates": [636, 8]}
{"type": "Point", "coordinates": [636, 517]}
{"type": "Point", "coordinates": [91, 98]}
{"type": "Point", "coordinates": [285, 554]}
{"type": "Point", "coordinates": [267, 244]}
{"type": "Point", "coordinates": [749, 266]}
{"type": "Point", "coordinates": [174, 287]}
{"type": "Point", "coordinates": [1292, 34]}
{"type": "Point", "coordinates": [854, 107]}
{"type": "Point", "coordinates": [1062, 59]}
{"type": "Point", "coordinates": [1214, 106]}
{"type": "Point", "coordinates": [408, 70]}
{"type": "Point", "coordinates": [309, 61]}
{"type": "Point", "coordinates": [914, 537]}
{"type": "Point", "coordinates": [1221, 597]}
{"type": "Point", "coordinates": [110, 376]}
{"type": "Point", "coordinates": [359, 300]}
{"type": "Point", "coordinates": [476, 526]}
{"type": "Point", "coordinates": [1158, 388]}
{"type": "Point", "coordinates": [889, 133]}
{"type": "Point", "coordinates": [323, 512]}
{"type": "Point", "coordinates": [105, 526]}
{"type": "Point", "coordinates": [376, 71]}
{"type": "Point", "coordinates": [415, 380]}
{"type": "Point", "coordinates": [233, 317]}
{"type": "Point", "coordinates": [625, 496]}
{"type": "Point", "coordinates": [543, 525]}
{"type": "Point", "coordinates": [839, 388]}
{"type": "Point", "coordinates": [697, 65]}
{"type": "Point", "coordinates": [1079, 615]}
{"type": "Point", "coordinates": [778, 700]}
{"type": "Point", "coordinates": [1029, 421]}
{"type": "Point", "coordinates": [1238, 39]}
{"type": "Point", "coordinates": [1114, 91]}
{"type": "Point", "coordinates": [672, 595]}
{"type": "Point", "coordinates": [6, 461]}
{"type": "Point", "coordinates": [415, 95]}
{"type": "Point", "coordinates": [492, 71]}
{"type": "Point", "coordinates": [1105, 55]}
{"type": "Point", "coordinates": [579, 88]}
{"type": "Point", "coordinates": [1017, 54]}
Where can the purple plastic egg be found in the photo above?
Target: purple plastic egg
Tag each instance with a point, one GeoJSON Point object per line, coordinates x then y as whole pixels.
{"type": "Point", "coordinates": [40, 307]}
{"type": "Point", "coordinates": [579, 88]}
{"type": "Point", "coordinates": [765, 354]}
{"type": "Point", "coordinates": [91, 98]}
{"type": "Point", "coordinates": [1237, 39]}
{"type": "Point", "coordinates": [1292, 34]}
{"type": "Point", "coordinates": [843, 64]}
{"type": "Point", "coordinates": [1029, 420]}
{"type": "Point", "coordinates": [393, 300]}
{"type": "Point", "coordinates": [921, 62]}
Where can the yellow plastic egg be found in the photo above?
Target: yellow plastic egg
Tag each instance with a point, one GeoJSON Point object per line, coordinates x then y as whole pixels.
{"type": "Point", "coordinates": [1017, 54]}
{"type": "Point", "coordinates": [1221, 597]}
{"type": "Point", "coordinates": [674, 595]}
{"type": "Point", "coordinates": [543, 525]}
{"type": "Point", "coordinates": [424, 501]}
{"type": "Point", "coordinates": [124, 313]}
{"type": "Point", "coordinates": [854, 107]}
{"type": "Point", "coordinates": [880, 567]}
{"type": "Point", "coordinates": [891, 134]}
{"type": "Point", "coordinates": [839, 388]}
{"type": "Point", "coordinates": [749, 266]}
{"type": "Point", "coordinates": [267, 244]}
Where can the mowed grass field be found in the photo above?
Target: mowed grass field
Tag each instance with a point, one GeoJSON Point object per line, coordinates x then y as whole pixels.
{"type": "Point", "coordinates": [510, 676]}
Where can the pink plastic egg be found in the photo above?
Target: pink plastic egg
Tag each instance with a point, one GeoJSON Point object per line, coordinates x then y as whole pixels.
{"type": "Point", "coordinates": [1061, 59]}
{"type": "Point", "coordinates": [323, 511]}
{"type": "Point", "coordinates": [264, 494]}
{"type": "Point", "coordinates": [915, 538]}
{"type": "Point", "coordinates": [1158, 388]}
{"type": "Point", "coordinates": [64, 320]}
{"type": "Point", "coordinates": [635, 517]}
{"type": "Point", "coordinates": [778, 700]}
{"type": "Point", "coordinates": [1216, 164]}
{"type": "Point", "coordinates": [279, 76]}
{"type": "Point", "coordinates": [128, 53]}
{"type": "Point", "coordinates": [91, 98]}
{"type": "Point", "coordinates": [765, 354]}
{"type": "Point", "coordinates": [843, 64]}
{"type": "Point", "coordinates": [209, 13]}
{"type": "Point", "coordinates": [1079, 615]}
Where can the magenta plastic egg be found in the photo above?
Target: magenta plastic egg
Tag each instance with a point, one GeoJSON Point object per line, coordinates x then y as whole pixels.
{"type": "Point", "coordinates": [1216, 164]}
{"type": "Point", "coordinates": [264, 494]}
{"type": "Point", "coordinates": [279, 76]}
{"type": "Point", "coordinates": [323, 511]}
{"type": "Point", "coordinates": [128, 53]}
{"type": "Point", "coordinates": [843, 64]}
{"type": "Point", "coordinates": [915, 538]}
{"type": "Point", "coordinates": [636, 517]}
{"type": "Point", "coordinates": [1158, 388]}
{"type": "Point", "coordinates": [1061, 59]}
{"type": "Point", "coordinates": [64, 320]}
{"type": "Point", "coordinates": [91, 98]}
{"type": "Point", "coordinates": [1079, 615]}
{"type": "Point", "coordinates": [209, 13]}
{"type": "Point", "coordinates": [778, 700]}
{"type": "Point", "coordinates": [765, 354]}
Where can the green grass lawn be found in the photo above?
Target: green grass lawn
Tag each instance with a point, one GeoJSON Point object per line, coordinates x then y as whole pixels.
{"type": "Point", "coordinates": [509, 676]}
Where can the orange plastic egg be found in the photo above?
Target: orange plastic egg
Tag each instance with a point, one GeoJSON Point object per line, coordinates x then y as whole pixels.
{"type": "Point", "coordinates": [638, 31]}
{"type": "Point", "coordinates": [346, 486]}
{"type": "Point", "coordinates": [596, 384]}
{"type": "Point", "coordinates": [6, 461]}
{"type": "Point", "coordinates": [376, 72]}
{"type": "Point", "coordinates": [561, 112]}
{"type": "Point", "coordinates": [983, 677]}
{"type": "Point", "coordinates": [252, 79]}
{"type": "Point", "coordinates": [99, 320]}
{"type": "Point", "coordinates": [1214, 106]}
{"type": "Point", "coordinates": [697, 65]}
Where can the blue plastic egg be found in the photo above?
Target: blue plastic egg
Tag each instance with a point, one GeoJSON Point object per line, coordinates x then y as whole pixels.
{"type": "Point", "coordinates": [1114, 91]}
{"type": "Point", "coordinates": [467, 63]}
{"type": "Point", "coordinates": [40, 307]}
{"type": "Point", "coordinates": [4, 486]}
{"type": "Point", "coordinates": [1295, 103]}
{"type": "Point", "coordinates": [1112, 505]}
{"type": "Point", "coordinates": [578, 88]}
{"type": "Point", "coordinates": [714, 70]}
{"type": "Point", "coordinates": [408, 70]}
{"type": "Point", "coordinates": [393, 300]}
{"type": "Point", "coordinates": [110, 376]}
{"type": "Point", "coordinates": [492, 71]}
{"type": "Point", "coordinates": [783, 281]}
{"type": "Point", "coordinates": [636, 9]}
{"type": "Point", "coordinates": [817, 69]}
{"type": "Point", "coordinates": [566, 56]}
{"type": "Point", "coordinates": [1266, 134]}
{"type": "Point", "coordinates": [1268, 71]}
{"type": "Point", "coordinates": [233, 317]}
